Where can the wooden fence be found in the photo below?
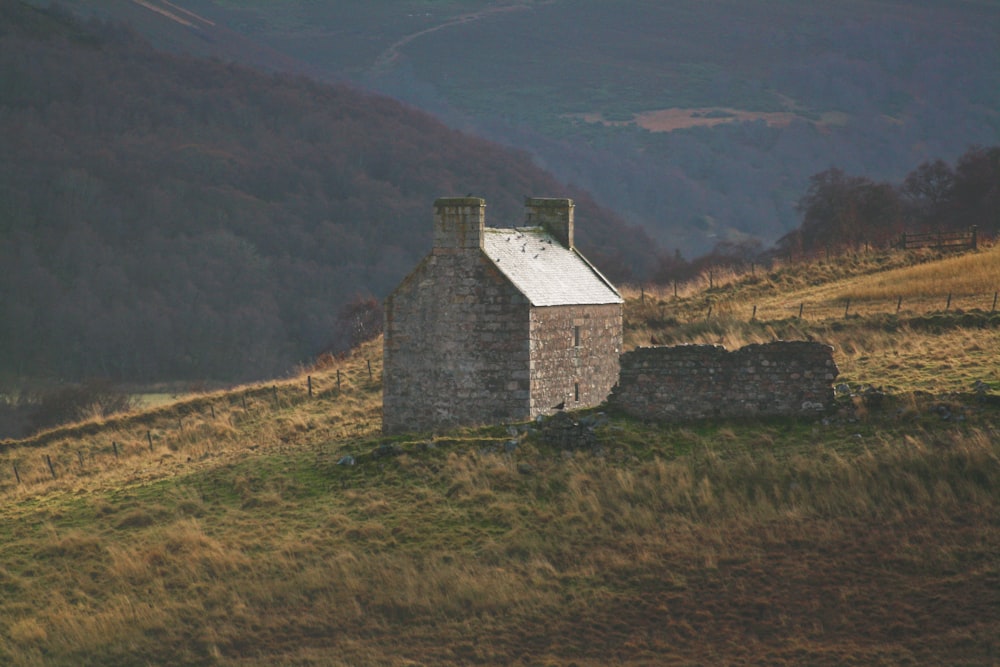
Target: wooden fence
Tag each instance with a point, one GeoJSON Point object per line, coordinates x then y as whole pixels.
{"type": "Point", "coordinates": [943, 240]}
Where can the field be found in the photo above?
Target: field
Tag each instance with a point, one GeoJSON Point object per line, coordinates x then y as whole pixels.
{"type": "Point", "coordinates": [265, 526]}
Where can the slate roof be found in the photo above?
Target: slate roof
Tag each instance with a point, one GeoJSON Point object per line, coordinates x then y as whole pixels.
{"type": "Point", "coordinates": [545, 271]}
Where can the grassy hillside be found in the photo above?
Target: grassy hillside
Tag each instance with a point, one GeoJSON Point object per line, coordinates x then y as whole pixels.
{"type": "Point", "coordinates": [230, 529]}
{"type": "Point", "coordinates": [909, 321]}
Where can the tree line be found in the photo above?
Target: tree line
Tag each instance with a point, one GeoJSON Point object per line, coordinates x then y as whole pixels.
{"type": "Point", "coordinates": [841, 211]}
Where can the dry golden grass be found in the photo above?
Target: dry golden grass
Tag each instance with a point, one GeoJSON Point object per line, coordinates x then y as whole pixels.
{"type": "Point", "coordinates": [968, 274]}
{"type": "Point", "coordinates": [868, 538]}
{"type": "Point", "coordinates": [853, 285]}
{"type": "Point", "coordinates": [924, 323]}
{"type": "Point", "coordinates": [452, 556]}
{"type": "Point", "coordinates": [203, 430]}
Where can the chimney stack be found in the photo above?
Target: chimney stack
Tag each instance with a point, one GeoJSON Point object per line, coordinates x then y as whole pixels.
{"type": "Point", "coordinates": [555, 215]}
{"type": "Point", "coordinates": [459, 222]}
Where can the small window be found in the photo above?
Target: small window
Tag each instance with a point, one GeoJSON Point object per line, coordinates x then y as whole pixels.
{"type": "Point", "coordinates": [576, 336]}
{"type": "Point", "coordinates": [576, 391]}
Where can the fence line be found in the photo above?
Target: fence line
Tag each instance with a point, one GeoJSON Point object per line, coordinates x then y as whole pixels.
{"type": "Point", "coordinates": [721, 275]}
{"type": "Point", "coordinates": [967, 240]}
{"type": "Point", "coordinates": [984, 304]}
{"type": "Point", "coordinates": [165, 436]}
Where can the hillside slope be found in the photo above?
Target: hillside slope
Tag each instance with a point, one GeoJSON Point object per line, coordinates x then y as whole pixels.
{"type": "Point", "coordinates": [166, 217]}
{"type": "Point", "coordinates": [267, 526]}
{"type": "Point", "coordinates": [702, 120]}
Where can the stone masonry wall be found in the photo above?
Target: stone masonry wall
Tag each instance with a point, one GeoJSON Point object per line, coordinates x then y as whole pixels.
{"type": "Point", "coordinates": [574, 355]}
{"type": "Point", "coordinates": [456, 347]}
{"type": "Point", "coordinates": [698, 381]}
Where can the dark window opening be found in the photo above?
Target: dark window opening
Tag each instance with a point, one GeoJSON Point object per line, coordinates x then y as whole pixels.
{"type": "Point", "coordinates": [576, 336]}
{"type": "Point", "coordinates": [576, 391]}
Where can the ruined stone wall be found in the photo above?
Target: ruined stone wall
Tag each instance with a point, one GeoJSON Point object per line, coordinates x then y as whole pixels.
{"type": "Point", "coordinates": [574, 351]}
{"type": "Point", "coordinates": [456, 346]}
{"type": "Point", "coordinates": [698, 381]}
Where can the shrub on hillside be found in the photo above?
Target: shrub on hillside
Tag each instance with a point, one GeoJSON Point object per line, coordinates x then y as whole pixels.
{"type": "Point", "coordinates": [94, 398]}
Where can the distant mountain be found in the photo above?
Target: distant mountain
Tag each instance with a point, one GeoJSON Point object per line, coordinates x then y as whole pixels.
{"type": "Point", "coordinates": [700, 119]}
{"type": "Point", "coordinates": [170, 217]}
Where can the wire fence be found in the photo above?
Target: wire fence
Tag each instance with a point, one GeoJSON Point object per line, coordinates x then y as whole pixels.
{"type": "Point", "coordinates": [183, 430]}
{"type": "Point", "coordinates": [982, 305]}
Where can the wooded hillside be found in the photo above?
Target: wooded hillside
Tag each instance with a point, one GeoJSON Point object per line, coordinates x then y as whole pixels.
{"type": "Point", "coordinates": [166, 217]}
{"type": "Point", "coordinates": [701, 120]}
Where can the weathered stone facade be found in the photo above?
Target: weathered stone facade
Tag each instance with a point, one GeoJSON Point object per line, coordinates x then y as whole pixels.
{"type": "Point", "coordinates": [498, 324]}
{"type": "Point", "coordinates": [574, 355]}
{"type": "Point", "coordinates": [697, 381]}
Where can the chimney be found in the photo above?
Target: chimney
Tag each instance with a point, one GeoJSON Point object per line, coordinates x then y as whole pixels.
{"type": "Point", "coordinates": [459, 222]}
{"type": "Point", "coordinates": [556, 215]}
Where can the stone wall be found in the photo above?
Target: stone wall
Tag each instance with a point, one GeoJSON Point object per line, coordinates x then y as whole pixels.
{"type": "Point", "coordinates": [698, 381]}
{"type": "Point", "coordinates": [574, 355]}
{"type": "Point", "coordinates": [456, 347]}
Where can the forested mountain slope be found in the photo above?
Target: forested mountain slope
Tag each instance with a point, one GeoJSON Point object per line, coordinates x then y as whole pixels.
{"type": "Point", "coordinates": [700, 119]}
{"type": "Point", "coordinates": [166, 217]}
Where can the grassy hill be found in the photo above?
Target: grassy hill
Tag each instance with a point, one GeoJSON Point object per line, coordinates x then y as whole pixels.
{"type": "Point", "coordinates": [265, 526]}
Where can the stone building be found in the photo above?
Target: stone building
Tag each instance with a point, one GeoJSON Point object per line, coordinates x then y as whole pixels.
{"type": "Point", "coordinates": [498, 325]}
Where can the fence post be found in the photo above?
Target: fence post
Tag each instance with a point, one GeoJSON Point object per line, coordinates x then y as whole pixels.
{"type": "Point", "coordinates": [801, 306]}
{"type": "Point", "coordinates": [899, 303]}
{"type": "Point", "coordinates": [753, 315]}
{"type": "Point", "coordinates": [947, 306]}
{"type": "Point", "coordinates": [847, 307]}
{"type": "Point", "coordinates": [79, 455]}
{"type": "Point", "coordinates": [114, 446]}
{"type": "Point", "coordinates": [369, 369]}
{"type": "Point", "coordinates": [149, 436]}
{"type": "Point", "coordinates": [994, 308]}
{"type": "Point", "coordinates": [48, 459]}
{"type": "Point", "coordinates": [902, 241]}
{"type": "Point", "coordinates": [17, 475]}
{"type": "Point", "coordinates": [338, 379]}
{"type": "Point", "coordinates": [709, 312]}
{"type": "Point", "coordinates": [309, 384]}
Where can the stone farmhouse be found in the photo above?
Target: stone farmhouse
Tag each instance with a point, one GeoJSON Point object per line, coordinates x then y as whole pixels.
{"type": "Point", "coordinates": [498, 324]}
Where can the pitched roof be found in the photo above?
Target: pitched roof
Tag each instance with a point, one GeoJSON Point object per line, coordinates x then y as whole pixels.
{"type": "Point", "coordinates": [545, 271]}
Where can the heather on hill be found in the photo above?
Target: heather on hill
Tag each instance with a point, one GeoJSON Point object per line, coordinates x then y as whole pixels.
{"type": "Point", "coordinates": [168, 217]}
